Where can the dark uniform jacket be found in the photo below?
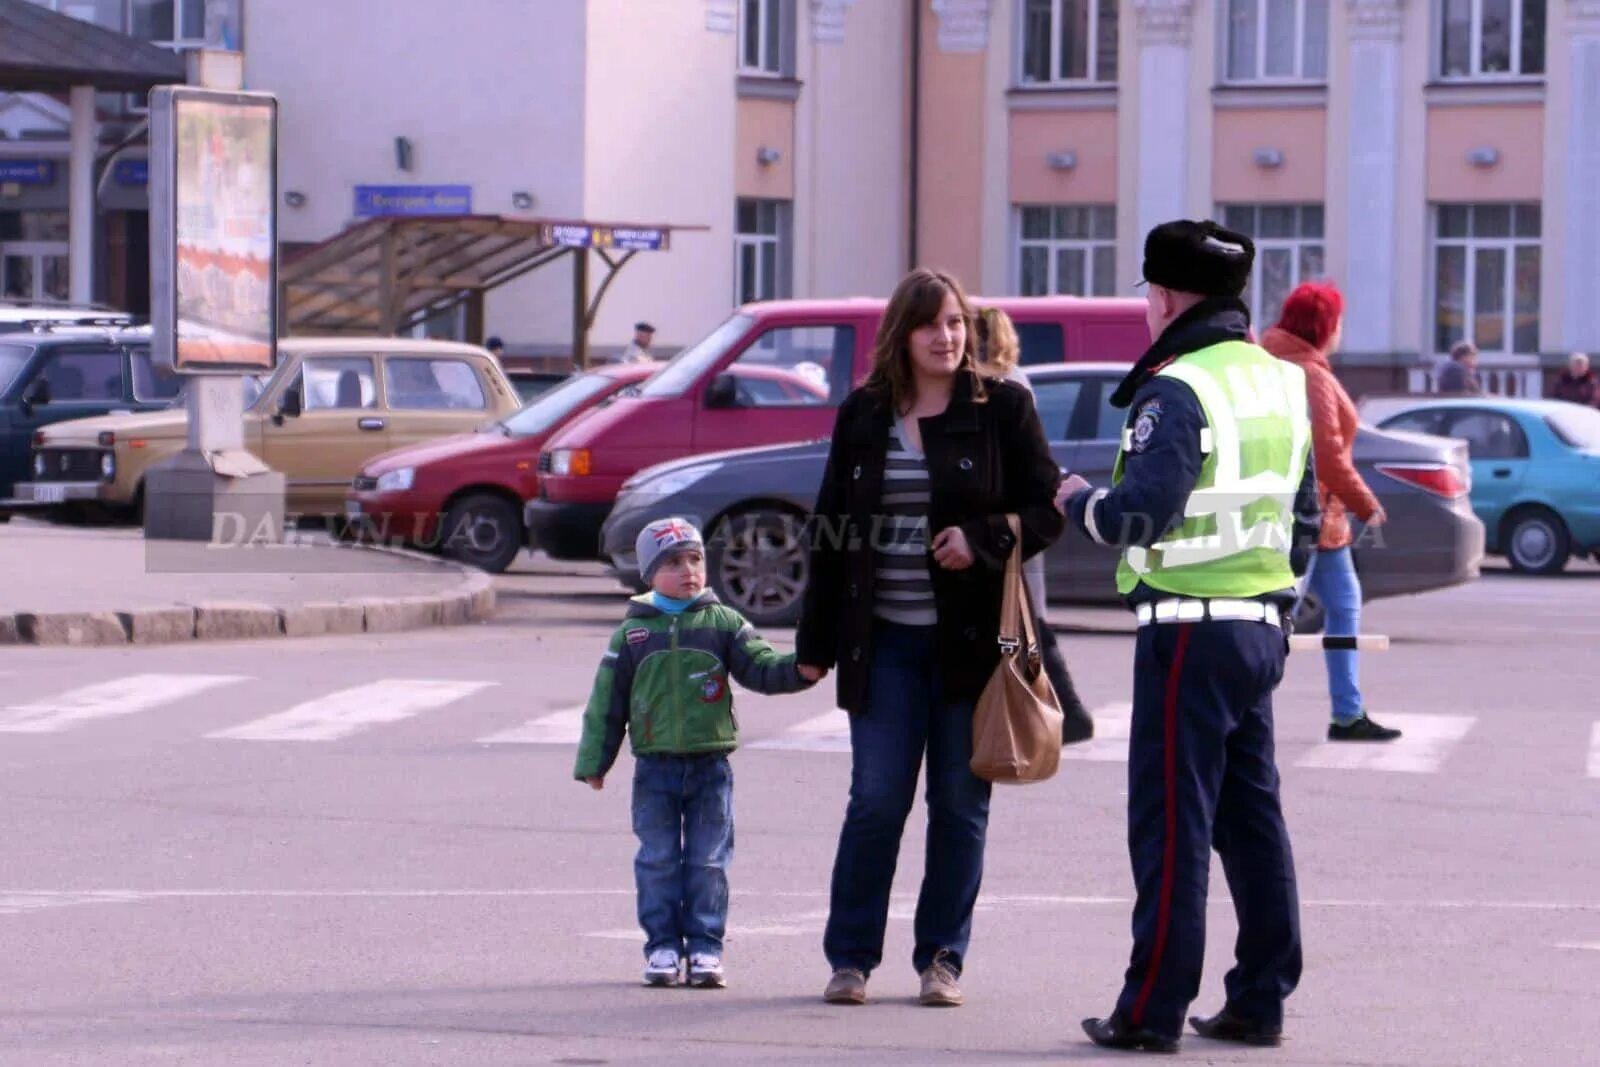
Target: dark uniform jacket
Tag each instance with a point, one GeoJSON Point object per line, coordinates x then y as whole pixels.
{"type": "Point", "coordinates": [1163, 460]}
{"type": "Point", "coordinates": [985, 459]}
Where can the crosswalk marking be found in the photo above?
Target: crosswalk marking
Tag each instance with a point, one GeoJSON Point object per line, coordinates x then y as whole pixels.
{"type": "Point", "coordinates": [349, 711]}
{"type": "Point", "coordinates": [1110, 742]}
{"type": "Point", "coordinates": [1594, 752]}
{"type": "Point", "coordinates": [828, 732]}
{"type": "Point", "coordinates": [564, 727]}
{"type": "Point", "coordinates": [103, 700]}
{"type": "Point", "coordinates": [1427, 740]}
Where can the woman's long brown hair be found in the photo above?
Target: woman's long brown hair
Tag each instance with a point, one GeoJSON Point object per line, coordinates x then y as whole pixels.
{"type": "Point", "coordinates": [916, 302]}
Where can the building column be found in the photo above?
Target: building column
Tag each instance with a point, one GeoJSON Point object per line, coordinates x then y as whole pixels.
{"type": "Point", "coordinates": [80, 196]}
{"type": "Point", "coordinates": [1375, 28]}
{"type": "Point", "coordinates": [1580, 221]}
{"type": "Point", "coordinates": [1164, 38]}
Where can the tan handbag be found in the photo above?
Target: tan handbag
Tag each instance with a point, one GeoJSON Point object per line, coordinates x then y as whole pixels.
{"type": "Point", "coordinates": [1016, 728]}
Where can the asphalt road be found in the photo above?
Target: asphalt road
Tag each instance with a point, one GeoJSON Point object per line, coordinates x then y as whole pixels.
{"type": "Point", "coordinates": [370, 851]}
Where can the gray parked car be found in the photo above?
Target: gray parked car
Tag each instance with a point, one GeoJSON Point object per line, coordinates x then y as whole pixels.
{"type": "Point", "coordinates": [753, 504]}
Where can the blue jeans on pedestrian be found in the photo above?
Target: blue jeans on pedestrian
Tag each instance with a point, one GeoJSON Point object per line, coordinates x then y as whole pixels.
{"type": "Point", "coordinates": [683, 817]}
{"type": "Point", "coordinates": [906, 715]}
{"type": "Point", "coordinates": [1332, 577]}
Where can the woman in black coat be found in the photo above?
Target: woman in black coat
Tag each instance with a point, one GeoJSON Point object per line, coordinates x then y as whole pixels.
{"type": "Point", "coordinates": [908, 554]}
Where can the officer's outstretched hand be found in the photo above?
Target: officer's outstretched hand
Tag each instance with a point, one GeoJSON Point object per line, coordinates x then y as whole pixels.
{"type": "Point", "coordinates": [1071, 486]}
{"type": "Point", "coordinates": [951, 551]}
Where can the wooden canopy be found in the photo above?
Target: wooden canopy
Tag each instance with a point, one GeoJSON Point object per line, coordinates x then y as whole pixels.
{"type": "Point", "coordinates": [386, 275]}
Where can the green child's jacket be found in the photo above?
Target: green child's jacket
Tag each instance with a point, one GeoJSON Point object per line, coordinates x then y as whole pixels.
{"type": "Point", "coordinates": [665, 679]}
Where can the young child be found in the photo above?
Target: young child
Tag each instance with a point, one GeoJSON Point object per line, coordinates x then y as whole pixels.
{"type": "Point", "coordinates": [664, 679]}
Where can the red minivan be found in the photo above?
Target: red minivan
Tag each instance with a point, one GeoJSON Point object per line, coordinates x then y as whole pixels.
{"type": "Point", "coordinates": [772, 373]}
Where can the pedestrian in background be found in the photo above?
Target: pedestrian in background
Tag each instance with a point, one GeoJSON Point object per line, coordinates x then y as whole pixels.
{"type": "Point", "coordinates": [1578, 384]}
{"type": "Point", "coordinates": [496, 347]}
{"type": "Point", "coordinates": [664, 681]}
{"type": "Point", "coordinates": [1460, 375]}
{"type": "Point", "coordinates": [638, 350]}
{"type": "Point", "coordinates": [999, 354]}
{"type": "Point", "coordinates": [1307, 334]}
{"type": "Point", "coordinates": [909, 543]}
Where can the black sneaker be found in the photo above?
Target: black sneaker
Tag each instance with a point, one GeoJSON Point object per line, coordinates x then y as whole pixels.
{"type": "Point", "coordinates": [1363, 729]}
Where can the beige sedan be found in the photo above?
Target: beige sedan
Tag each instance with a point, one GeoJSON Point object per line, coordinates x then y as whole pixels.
{"type": "Point", "coordinates": [332, 404]}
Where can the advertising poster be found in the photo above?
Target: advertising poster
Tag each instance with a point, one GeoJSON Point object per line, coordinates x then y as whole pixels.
{"type": "Point", "coordinates": [224, 266]}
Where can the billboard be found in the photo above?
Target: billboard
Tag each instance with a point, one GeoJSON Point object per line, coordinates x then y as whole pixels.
{"type": "Point", "coordinates": [214, 229]}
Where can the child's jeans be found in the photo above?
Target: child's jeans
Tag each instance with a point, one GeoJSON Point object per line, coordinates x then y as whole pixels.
{"type": "Point", "coordinates": [683, 817]}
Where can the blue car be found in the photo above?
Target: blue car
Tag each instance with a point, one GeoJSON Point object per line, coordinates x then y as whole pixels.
{"type": "Point", "coordinates": [1535, 472]}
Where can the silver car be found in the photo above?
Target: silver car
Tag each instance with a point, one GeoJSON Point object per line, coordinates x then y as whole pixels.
{"type": "Point", "coordinates": [753, 503]}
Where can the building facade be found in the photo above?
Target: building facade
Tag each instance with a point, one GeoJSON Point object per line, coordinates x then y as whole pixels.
{"type": "Point", "coordinates": [1438, 159]}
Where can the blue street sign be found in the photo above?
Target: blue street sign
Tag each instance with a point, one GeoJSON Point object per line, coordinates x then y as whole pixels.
{"type": "Point", "coordinates": [639, 240]}
{"type": "Point", "coordinates": [373, 201]}
{"type": "Point", "coordinates": [28, 171]}
{"type": "Point", "coordinates": [131, 171]}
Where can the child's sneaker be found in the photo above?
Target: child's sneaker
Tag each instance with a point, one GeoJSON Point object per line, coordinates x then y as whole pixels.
{"type": "Point", "coordinates": [705, 971]}
{"type": "Point", "coordinates": [661, 968]}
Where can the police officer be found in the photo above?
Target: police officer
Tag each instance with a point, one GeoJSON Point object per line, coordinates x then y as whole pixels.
{"type": "Point", "coordinates": [1210, 493]}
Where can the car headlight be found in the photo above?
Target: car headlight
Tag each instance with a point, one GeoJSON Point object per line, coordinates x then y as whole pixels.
{"type": "Point", "coordinates": [397, 481]}
{"type": "Point", "coordinates": [565, 461]}
{"type": "Point", "coordinates": [108, 467]}
{"type": "Point", "coordinates": [38, 465]}
{"type": "Point", "coordinates": [668, 484]}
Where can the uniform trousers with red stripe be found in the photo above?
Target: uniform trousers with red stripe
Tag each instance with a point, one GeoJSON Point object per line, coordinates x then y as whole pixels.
{"type": "Point", "coordinates": [1201, 775]}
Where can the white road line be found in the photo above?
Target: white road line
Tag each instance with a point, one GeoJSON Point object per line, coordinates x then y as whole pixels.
{"type": "Point", "coordinates": [349, 711]}
{"type": "Point", "coordinates": [103, 700]}
{"type": "Point", "coordinates": [1594, 752]}
{"type": "Point", "coordinates": [564, 727]}
{"type": "Point", "coordinates": [1427, 740]}
{"type": "Point", "coordinates": [1110, 743]}
{"type": "Point", "coordinates": [828, 732]}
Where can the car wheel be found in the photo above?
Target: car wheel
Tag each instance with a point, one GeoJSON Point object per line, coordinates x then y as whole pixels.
{"type": "Point", "coordinates": [483, 531]}
{"type": "Point", "coordinates": [1536, 542]}
{"type": "Point", "coordinates": [1309, 616]}
{"type": "Point", "coordinates": [758, 564]}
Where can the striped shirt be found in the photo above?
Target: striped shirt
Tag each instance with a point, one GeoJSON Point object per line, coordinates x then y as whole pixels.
{"type": "Point", "coordinates": [903, 585]}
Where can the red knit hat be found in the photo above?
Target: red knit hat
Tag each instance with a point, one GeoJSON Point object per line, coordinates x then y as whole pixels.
{"type": "Point", "coordinates": [1312, 313]}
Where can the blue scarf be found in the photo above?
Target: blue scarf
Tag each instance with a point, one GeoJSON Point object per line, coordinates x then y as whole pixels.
{"type": "Point", "coordinates": [669, 605]}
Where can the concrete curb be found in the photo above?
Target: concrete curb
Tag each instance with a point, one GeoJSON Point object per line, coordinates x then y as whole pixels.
{"type": "Point", "coordinates": [470, 600]}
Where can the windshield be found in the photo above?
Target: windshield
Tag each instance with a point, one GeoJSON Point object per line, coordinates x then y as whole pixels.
{"type": "Point", "coordinates": [688, 365]}
{"type": "Point", "coordinates": [254, 386]}
{"type": "Point", "coordinates": [556, 404]}
{"type": "Point", "coordinates": [12, 357]}
{"type": "Point", "coordinates": [1578, 428]}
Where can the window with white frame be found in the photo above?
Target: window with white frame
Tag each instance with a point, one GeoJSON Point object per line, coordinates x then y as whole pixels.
{"type": "Point", "coordinates": [764, 38]}
{"type": "Point", "coordinates": [1277, 40]}
{"type": "Point", "coordinates": [1069, 249]}
{"type": "Point", "coordinates": [761, 250]}
{"type": "Point", "coordinates": [1067, 41]}
{"type": "Point", "coordinates": [1491, 38]}
{"type": "Point", "coordinates": [1289, 250]}
{"type": "Point", "coordinates": [1486, 277]}
{"type": "Point", "coordinates": [176, 23]}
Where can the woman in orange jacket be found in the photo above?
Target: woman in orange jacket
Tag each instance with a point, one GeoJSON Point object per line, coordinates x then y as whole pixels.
{"type": "Point", "coordinates": [1308, 331]}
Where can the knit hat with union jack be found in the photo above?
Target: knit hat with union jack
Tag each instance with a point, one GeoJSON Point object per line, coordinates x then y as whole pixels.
{"type": "Point", "coordinates": [662, 540]}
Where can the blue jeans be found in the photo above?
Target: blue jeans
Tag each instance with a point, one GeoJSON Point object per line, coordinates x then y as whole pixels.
{"type": "Point", "coordinates": [683, 817]}
{"type": "Point", "coordinates": [907, 715]}
{"type": "Point", "coordinates": [1332, 577]}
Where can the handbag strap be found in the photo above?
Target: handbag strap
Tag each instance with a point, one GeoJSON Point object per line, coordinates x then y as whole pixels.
{"type": "Point", "coordinates": [1016, 625]}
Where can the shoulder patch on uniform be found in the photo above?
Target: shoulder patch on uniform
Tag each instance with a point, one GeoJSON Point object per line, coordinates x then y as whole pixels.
{"type": "Point", "coordinates": [1144, 425]}
{"type": "Point", "coordinates": [638, 636]}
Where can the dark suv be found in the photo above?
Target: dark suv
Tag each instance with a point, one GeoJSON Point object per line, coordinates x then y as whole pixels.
{"type": "Point", "coordinates": [71, 373]}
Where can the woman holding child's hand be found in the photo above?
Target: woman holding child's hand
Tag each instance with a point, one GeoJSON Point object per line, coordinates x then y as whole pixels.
{"type": "Point", "coordinates": [912, 618]}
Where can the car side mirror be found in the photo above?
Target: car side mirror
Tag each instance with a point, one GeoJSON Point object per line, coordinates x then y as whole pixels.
{"type": "Point", "coordinates": [723, 391]}
{"type": "Point", "coordinates": [37, 395]}
{"type": "Point", "coordinates": [289, 405]}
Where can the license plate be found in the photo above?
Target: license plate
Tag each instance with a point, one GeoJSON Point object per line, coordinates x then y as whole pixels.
{"type": "Point", "coordinates": [352, 509]}
{"type": "Point", "coordinates": [50, 494]}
